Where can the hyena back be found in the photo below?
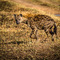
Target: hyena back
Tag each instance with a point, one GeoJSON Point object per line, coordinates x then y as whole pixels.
{"type": "Point", "coordinates": [41, 22]}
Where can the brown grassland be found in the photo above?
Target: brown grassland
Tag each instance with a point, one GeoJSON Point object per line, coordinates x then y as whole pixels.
{"type": "Point", "coordinates": [15, 43]}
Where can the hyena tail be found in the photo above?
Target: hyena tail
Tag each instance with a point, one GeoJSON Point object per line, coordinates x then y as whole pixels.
{"type": "Point", "coordinates": [55, 29]}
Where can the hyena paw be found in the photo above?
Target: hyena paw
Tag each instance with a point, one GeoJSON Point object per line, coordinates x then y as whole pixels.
{"type": "Point", "coordinates": [33, 36]}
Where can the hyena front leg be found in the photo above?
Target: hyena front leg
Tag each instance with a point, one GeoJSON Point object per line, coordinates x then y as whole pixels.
{"type": "Point", "coordinates": [34, 33]}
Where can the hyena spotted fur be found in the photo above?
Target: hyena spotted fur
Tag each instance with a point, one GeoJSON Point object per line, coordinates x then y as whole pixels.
{"type": "Point", "coordinates": [38, 22]}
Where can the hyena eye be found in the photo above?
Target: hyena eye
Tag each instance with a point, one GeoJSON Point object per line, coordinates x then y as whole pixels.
{"type": "Point", "coordinates": [21, 15]}
{"type": "Point", "coordinates": [19, 19]}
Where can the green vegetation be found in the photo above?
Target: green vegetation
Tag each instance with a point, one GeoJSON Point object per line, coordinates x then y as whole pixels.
{"type": "Point", "coordinates": [28, 49]}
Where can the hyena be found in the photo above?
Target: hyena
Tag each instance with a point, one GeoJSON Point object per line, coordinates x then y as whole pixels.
{"type": "Point", "coordinates": [38, 22]}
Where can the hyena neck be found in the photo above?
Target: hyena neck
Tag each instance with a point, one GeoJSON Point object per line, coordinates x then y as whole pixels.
{"type": "Point", "coordinates": [25, 21]}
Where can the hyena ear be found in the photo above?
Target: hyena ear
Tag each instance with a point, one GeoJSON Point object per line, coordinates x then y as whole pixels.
{"type": "Point", "coordinates": [14, 15]}
{"type": "Point", "coordinates": [21, 15]}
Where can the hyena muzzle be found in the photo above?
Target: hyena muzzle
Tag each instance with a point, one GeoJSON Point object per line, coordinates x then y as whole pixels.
{"type": "Point", "coordinates": [38, 22]}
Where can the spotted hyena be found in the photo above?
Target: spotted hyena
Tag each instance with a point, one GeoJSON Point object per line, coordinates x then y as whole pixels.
{"type": "Point", "coordinates": [38, 22]}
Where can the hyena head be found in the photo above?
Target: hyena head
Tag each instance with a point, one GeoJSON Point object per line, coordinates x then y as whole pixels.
{"type": "Point", "coordinates": [18, 18]}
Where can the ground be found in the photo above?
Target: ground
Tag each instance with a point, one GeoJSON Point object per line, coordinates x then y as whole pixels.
{"type": "Point", "coordinates": [12, 34]}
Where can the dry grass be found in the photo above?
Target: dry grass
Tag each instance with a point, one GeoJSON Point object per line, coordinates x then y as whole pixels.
{"type": "Point", "coordinates": [27, 49]}
{"type": "Point", "coordinates": [47, 3]}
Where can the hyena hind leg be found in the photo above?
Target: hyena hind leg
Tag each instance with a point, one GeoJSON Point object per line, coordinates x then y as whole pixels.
{"type": "Point", "coordinates": [52, 34]}
{"type": "Point", "coordinates": [52, 37]}
{"type": "Point", "coordinates": [47, 33]}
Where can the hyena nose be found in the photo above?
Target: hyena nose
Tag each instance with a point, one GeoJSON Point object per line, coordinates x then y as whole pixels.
{"type": "Point", "coordinates": [17, 22]}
